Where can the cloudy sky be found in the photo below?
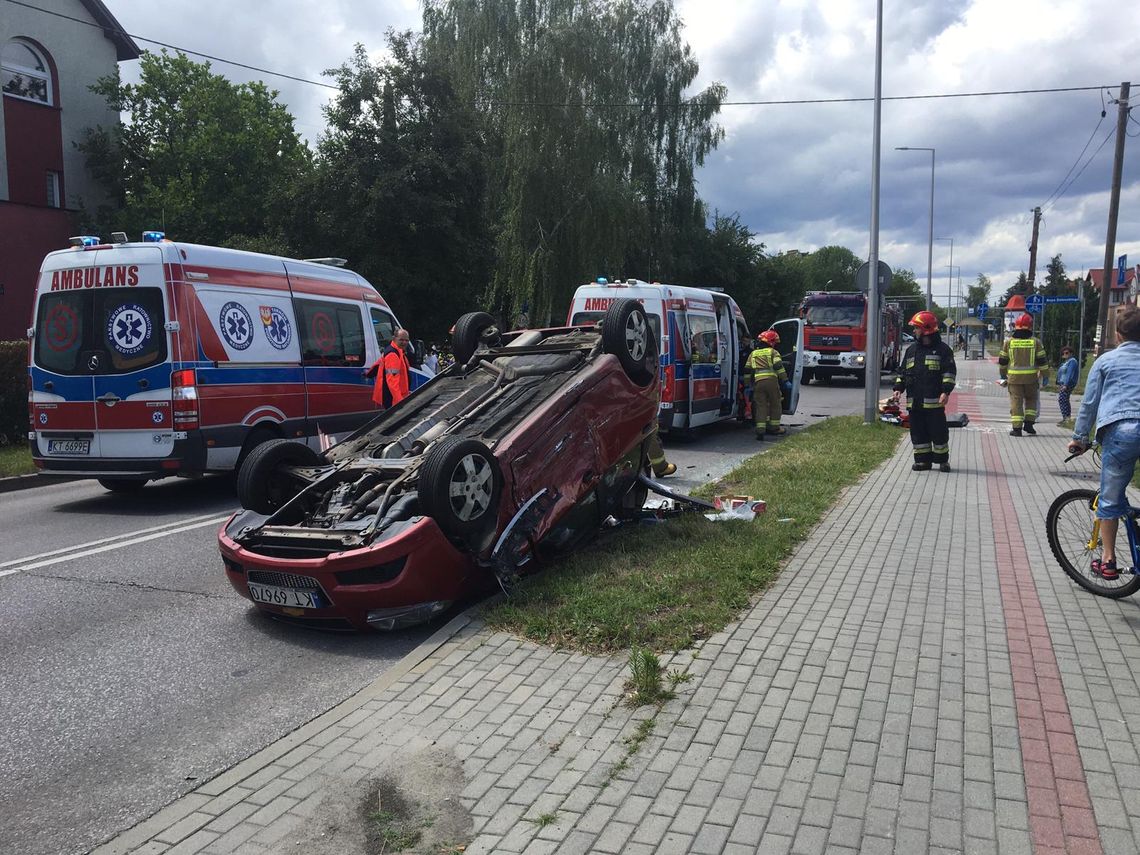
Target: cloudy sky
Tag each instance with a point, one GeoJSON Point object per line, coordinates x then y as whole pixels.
{"type": "Point", "coordinates": [799, 174]}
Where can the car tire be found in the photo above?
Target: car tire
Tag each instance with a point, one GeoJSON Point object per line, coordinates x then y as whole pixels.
{"type": "Point", "coordinates": [261, 485]}
{"type": "Point", "coordinates": [805, 378]}
{"type": "Point", "coordinates": [459, 486]}
{"type": "Point", "coordinates": [472, 330]}
{"type": "Point", "coordinates": [124, 486]}
{"type": "Point", "coordinates": [627, 335]}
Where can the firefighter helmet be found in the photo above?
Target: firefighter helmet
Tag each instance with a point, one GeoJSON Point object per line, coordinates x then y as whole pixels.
{"type": "Point", "coordinates": [1024, 322]}
{"type": "Point", "coordinates": [770, 338]}
{"type": "Point", "coordinates": [925, 322]}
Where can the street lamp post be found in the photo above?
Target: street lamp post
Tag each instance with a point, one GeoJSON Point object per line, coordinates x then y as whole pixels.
{"type": "Point", "coordinates": [950, 272]}
{"type": "Point", "coordinates": [930, 236]}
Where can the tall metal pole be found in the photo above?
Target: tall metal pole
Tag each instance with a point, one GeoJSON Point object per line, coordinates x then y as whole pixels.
{"type": "Point", "coordinates": [1113, 211]}
{"type": "Point", "coordinates": [950, 275]}
{"type": "Point", "coordinates": [1081, 326]}
{"type": "Point", "coordinates": [930, 232]}
{"type": "Point", "coordinates": [874, 310]}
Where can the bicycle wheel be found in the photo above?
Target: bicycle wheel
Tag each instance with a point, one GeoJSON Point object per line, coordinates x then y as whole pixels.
{"type": "Point", "coordinates": [1069, 525]}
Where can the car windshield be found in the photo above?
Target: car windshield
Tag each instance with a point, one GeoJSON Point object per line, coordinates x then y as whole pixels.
{"type": "Point", "coordinates": [835, 316]}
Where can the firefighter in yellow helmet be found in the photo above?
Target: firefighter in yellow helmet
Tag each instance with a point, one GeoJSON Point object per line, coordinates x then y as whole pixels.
{"type": "Point", "coordinates": [768, 376]}
{"type": "Point", "coordinates": [927, 376]}
{"type": "Point", "coordinates": [1020, 363]}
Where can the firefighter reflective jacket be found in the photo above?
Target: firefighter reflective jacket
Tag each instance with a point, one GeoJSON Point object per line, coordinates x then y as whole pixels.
{"type": "Point", "coordinates": [765, 362]}
{"type": "Point", "coordinates": [928, 371]}
{"type": "Point", "coordinates": [1022, 357]}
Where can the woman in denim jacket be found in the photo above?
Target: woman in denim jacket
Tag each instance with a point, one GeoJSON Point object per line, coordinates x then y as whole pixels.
{"type": "Point", "coordinates": [1111, 406]}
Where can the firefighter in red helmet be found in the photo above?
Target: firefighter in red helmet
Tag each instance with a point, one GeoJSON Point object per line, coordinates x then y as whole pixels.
{"type": "Point", "coordinates": [927, 376]}
{"type": "Point", "coordinates": [768, 376]}
{"type": "Point", "coordinates": [1019, 364]}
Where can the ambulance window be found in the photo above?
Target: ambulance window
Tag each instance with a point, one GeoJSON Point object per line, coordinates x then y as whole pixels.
{"type": "Point", "coordinates": [331, 333]}
{"type": "Point", "coordinates": [384, 325]}
{"type": "Point", "coordinates": [107, 331]}
{"type": "Point", "coordinates": [703, 338]}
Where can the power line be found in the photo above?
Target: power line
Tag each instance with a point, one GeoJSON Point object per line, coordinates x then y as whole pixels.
{"type": "Point", "coordinates": [1103, 142]}
{"type": "Point", "coordinates": [634, 105]}
{"type": "Point", "coordinates": [1075, 162]}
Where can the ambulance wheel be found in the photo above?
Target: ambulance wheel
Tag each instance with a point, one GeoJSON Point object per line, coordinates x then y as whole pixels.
{"type": "Point", "coordinates": [122, 485]}
{"type": "Point", "coordinates": [805, 378]}
{"type": "Point", "coordinates": [459, 486]}
{"type": "Point", "coordinates": [472, 330]}
{"type": "Point", "coordinates": [263, 484]}
{"type": "Point", "coordinates": [627, 335]}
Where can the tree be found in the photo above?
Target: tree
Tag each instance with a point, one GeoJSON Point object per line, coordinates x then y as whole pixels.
{"type": "Point", "coordinates": [833, 268]}
{"type": "Point", "coordinates": [979, 292]}
{"type": "Point", "coordinates": [201, 157]}
{"type": "Point", "coordinates": [592, 144]}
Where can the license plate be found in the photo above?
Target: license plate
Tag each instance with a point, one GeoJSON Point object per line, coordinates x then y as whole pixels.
{"type": "Point", "coordinates": [287, 597]}
{"type": "Point", "coordinates": [69, 446]}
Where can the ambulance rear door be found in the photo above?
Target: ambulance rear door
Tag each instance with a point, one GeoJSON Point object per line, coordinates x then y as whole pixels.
{"type": "Point", "coordinates": [791, 332]}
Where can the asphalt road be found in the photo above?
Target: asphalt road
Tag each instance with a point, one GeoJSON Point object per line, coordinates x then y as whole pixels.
{"type": "Point", "coordinates": [130, 670]}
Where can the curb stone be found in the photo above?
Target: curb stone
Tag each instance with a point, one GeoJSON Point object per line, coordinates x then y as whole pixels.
{"type": "Point", "coordinates": [26, 482]}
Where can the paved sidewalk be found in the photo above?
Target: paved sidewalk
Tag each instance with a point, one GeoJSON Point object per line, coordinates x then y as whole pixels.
{"type": "Point", "coordinates": [922, 678]}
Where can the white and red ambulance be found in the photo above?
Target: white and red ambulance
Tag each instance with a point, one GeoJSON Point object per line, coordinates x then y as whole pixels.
{"type": "Point", "coordinates": [703, 339]}
{"type": "Point", "coordinates": [158, 358]}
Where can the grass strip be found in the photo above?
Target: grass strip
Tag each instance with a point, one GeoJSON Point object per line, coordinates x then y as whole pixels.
{"type": "Point", "coordinates": [662, 586]}
{"type": "Point", "coordinates": [15, 460]}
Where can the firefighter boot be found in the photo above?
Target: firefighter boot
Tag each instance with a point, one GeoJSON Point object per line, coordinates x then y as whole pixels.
{"type": "Point", "coordinates": [921, 467]}
{"type": "Point", "coordinates": [1015, 431]}
{"type": "Point", "coordinates": [1029, 429]}
{"type": "Point", "coordinates": [944, 467]}
{"type": "Point", "coordinates": [665, 471]}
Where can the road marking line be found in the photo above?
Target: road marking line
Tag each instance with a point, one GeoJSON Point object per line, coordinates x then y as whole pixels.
{"type": "Point", "coordinates": [103, 540]}
{"type": "Point", "coordinates": [60, 559]}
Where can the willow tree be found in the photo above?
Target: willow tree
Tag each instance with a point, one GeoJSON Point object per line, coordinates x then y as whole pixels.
{"type": "Point", "coordinates": [592, 140]}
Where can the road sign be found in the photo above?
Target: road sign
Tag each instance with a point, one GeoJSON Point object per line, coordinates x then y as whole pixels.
{"type": "Point", "coordinates": [863, 277]}
{"type": "Point", "coordinates": [1034, 303]}
{"type": "Point", "coordinates": [982, 309]}
{"type": "Point", "coordinates": [1121, 265]}
{"type": "Point", "coordinates": [1051, 300]}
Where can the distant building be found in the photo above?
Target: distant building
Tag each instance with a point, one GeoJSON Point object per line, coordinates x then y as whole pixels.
{"type": "Point", "coordinates": [47, 64]}
{"type": "Point", "coordinates": [1117, 294]}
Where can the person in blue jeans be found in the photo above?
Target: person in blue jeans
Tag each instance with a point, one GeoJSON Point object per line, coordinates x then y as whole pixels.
{"type": "Point", "coordinates": [1111, 409]}
{"type": "Point", "coordinates": [1066, 382]}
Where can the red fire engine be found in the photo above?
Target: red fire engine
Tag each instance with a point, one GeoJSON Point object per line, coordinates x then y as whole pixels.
{"type": "Point", "coordinates": [835, 335]}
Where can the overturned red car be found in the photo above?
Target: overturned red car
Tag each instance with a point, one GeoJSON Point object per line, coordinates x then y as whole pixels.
{"type": "Point", "coordinates": [519, 450]}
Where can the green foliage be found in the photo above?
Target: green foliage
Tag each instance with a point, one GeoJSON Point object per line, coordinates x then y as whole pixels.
{"type": "Point", "coordinates": [591, 140]}
{"type": "Point", "coordinates": [645, 684]}
{"type": "Point", "coordinates": [979, 292]}
{"type": "Point", "coordinates": [833, 268]}
{"type": "Point", "coordinates": [13, 392]}
{"type": "Point", "coordinates": [1060, 324]}
{"type": "Point", "coordinates": [201, 157]}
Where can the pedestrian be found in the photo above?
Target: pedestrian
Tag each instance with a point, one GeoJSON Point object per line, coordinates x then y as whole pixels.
{"type": "Point", "coordinates": [431, 361]}
{"type": "Point", "coordinates": [961, 342]}
{"type": "Point", "coordinates": [1067, 375]}
{"type": "Point", "coordinates": [1111, 409]}
{"type": "Point", "coordinates": [766, 371]}
{"type": "Point", "coordinates": [657, 462]}
{"type": "Point", "coordinates": [1019, 364]}
{"type": "Point", "coordinates": [391, 372]}
{"type": "Point", "coordinates": [928, 376]}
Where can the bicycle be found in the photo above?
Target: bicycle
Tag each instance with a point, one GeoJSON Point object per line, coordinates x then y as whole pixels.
{"type": "Point", "coordinates": [1074, 537]}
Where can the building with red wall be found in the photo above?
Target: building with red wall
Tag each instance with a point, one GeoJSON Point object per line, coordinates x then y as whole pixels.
{"type": "Point", "coordinates": [49, 57]}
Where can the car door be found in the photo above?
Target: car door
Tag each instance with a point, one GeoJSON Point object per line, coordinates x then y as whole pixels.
{"type": "Point", "coordinates": [791, 332]}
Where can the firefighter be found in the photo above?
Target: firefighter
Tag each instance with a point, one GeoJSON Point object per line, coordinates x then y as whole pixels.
{"type": "Point", "coordinates": [927, 377]}
{"type": "Point", "coordinates": [657, 462]}
{"type": "Point", "coordinates": [766, 370]}
{"type": "Point", "coordinates": [1020, 363]}
{"type": "Point", "coordinates": [391, 371]}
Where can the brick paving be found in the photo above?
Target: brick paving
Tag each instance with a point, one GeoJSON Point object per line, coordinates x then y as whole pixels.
{"type": "Point", "coordinates": [922, 678]}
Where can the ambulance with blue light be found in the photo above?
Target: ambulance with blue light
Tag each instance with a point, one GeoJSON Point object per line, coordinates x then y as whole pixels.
{"type": "Point", "coordinates": [703, 340]}
{"type": "Point", "coordinates": [156, 358]}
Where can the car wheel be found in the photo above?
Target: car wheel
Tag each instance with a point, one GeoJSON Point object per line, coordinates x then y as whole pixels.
{"type": "Point", "coordinates": [459, 485]}
{"type": "Point", "coordinates": [627, 335]}
{"type": "Point", "coordinates": [805, 378]}
{"type": "Point", "coordinates": [122, 485]}
{"type": "Point", "coordinates": [471, 330]}
{"type": "Point", "coordinates": [262, 483]}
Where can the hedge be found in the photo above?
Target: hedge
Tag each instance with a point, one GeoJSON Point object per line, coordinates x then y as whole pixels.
{"type": "Point", "coordinates": [13, 391]}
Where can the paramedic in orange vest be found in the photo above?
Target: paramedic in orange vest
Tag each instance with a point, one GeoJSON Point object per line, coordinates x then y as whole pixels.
{"type": "Point", "coordinates": [391, 371]}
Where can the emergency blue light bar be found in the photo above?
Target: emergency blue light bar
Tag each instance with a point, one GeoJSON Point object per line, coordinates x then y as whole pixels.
{"type": "Point", "coordinates": [85, 240]}
{"type": "Point", "coordinates": [154, 237]}
{"type": "Point", "coordinates": [601, 280]}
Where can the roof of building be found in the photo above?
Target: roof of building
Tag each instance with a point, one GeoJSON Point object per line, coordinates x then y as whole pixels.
{"type": "Point", "coordinates": [1095, 274]}
{"type": "Point", "coordinates": [125, 46]}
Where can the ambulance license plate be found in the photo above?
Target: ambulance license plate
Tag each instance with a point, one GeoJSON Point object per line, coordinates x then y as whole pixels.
{"type": "Point", "coordinates": [284, 596]}
{"type": "Point", "coordinates": [69, 446]}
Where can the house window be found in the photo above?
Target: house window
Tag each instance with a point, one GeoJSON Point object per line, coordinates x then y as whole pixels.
{"type": "Point", "coordinates": [24, 72]}
{"type": "Point", "coordinates": [53, 199]}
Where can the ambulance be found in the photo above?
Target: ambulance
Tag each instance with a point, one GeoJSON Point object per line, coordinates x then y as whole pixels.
{"type": "Point", "coordinates": [157, 358]}
{"type": "Point", "coordinates": [703, 340]}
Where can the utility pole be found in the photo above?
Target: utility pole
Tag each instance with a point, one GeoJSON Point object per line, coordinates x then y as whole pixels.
{"type": "Point", "coordinates": [1113, 211]}
{"type": "Point", "coordinates": [1033, 250]}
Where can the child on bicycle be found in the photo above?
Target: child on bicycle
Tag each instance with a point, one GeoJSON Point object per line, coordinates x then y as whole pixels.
{"type": "Point", "coordinates": [1111, 408]}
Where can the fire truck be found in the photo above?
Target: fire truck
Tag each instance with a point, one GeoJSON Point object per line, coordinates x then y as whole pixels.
{"type": "Point", "coordinates": [835, 335]}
